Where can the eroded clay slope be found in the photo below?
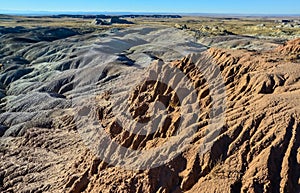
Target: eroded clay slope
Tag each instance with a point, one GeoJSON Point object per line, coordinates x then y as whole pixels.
{"type": "Point", "coordinates": [257, 149]}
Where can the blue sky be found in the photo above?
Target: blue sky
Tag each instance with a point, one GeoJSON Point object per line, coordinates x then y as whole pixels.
{"type": "Point", "coordinates": [171, 6]}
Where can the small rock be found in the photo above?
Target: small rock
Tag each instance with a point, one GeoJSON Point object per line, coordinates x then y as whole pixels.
{"type": "Point", "coordinates": [261, 25]}
{"type": "Point", "coordinates": [181, 27]}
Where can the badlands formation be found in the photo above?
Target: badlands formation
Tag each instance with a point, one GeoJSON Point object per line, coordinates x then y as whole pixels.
{"type": "Point", "coordinates": [148, 108]}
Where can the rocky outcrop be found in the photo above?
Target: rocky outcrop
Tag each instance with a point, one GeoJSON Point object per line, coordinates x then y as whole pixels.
{"type": "Point", "coordinates": [110, 21]}
{"type": "Point", "coordinates": [117, 20]}
{"type": "Point", "coordinates": [291, 47]}
{"type": "Point", "coordinates": [182, 27]}
{"type": "Point", "coordinates": [99, 22]}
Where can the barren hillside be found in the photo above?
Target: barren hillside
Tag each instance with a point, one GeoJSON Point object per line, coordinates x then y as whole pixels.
{"type": "Point", "coordinates": [148, 109]}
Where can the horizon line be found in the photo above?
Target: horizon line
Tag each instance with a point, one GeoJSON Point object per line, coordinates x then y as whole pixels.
{"type": "Point", "coordinates": [28, 12]}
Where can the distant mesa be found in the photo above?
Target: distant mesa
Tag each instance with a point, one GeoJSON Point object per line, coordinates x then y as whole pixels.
{"type": "Point", "coordinates": [287, 21]}
{"type": "Point", "coordinates": [119, 21]}
{"type": "Point", "coordinates": [107, 16]}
